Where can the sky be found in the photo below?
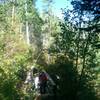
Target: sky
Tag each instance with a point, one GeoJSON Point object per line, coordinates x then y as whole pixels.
{"type": "Point", "coordinates": [57, 5]}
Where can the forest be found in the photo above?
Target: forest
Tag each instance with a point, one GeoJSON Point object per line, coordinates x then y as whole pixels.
{"type": "Point", "coordinates": [67, 48]}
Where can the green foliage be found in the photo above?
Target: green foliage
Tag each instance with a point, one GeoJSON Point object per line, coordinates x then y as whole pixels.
{"type": "Point", "coordinates": [14, 59]}
{"type": "Point", "coordinates": [8, 90]}
{"type": "Point", "coordinates": [68, 83]}
{"type": "Point", "coordinates": [70, 52]}
{"type": "Point", "coordinates": [76, 42]}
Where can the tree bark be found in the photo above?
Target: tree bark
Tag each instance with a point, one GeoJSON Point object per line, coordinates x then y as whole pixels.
{"type": "Point", "coordinates": [13, 12]}
{"type": "Point", "coordinates": [27, 25]}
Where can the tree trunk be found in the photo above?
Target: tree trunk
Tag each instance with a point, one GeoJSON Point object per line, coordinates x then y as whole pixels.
{"type": "Point", "coordinates": [27, 25]}
{"type": "Point", "coordinates": [84, 56]}
{"type": "Point", "coordinates": [13, 13]}
{"type": "Point", "coordinates": [27, 33]}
